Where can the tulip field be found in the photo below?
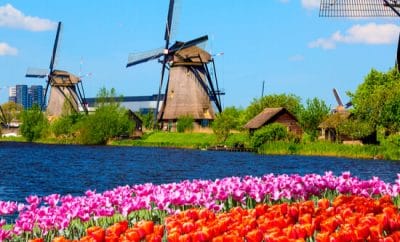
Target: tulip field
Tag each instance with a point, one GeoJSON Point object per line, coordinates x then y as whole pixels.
{"type": "Point", "coordinates": [268, 208]}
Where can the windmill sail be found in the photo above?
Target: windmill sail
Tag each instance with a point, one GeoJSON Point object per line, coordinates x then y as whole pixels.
{"type": "Point", "coordinates": [141, 57]}
{"type": "Point", "coordinates": [36, 73]}
{"type": "Point", "coordinates": [359, 8]}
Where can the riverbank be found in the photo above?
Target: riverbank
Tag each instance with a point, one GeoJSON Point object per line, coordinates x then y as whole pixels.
{"type": "Point", "coordinates": [208, 141]}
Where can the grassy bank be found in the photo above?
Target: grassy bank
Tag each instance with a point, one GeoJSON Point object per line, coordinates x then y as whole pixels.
{"type": "Point", "coordinates": [197, 140]}
{"type": "Point", "coordinates": [204, 140]}
{"type": "Point", "coordinates": [168, 139]}
{"type": "Point", "coordinates": [323, 149]}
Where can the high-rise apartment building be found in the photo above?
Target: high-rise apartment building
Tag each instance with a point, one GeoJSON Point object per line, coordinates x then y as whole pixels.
{"type": "Point", "coordinates": [26, 96]}
{"type": "Point", "coordinates": [22, 95]}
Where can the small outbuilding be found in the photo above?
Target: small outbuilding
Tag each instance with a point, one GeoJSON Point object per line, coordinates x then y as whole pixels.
{"type": "Point", "coordinates": [275, 115]}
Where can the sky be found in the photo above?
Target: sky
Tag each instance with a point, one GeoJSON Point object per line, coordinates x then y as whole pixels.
{"type": "Point", "coordinates": [283, 43]}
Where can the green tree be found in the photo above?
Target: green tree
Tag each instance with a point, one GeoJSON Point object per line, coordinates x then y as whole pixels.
{"type": "Point", "coordinates": [376, 100]}
{"type": "Point", "coordinates": [226, 121]}
{"type": "Point", "coordinates": [289, 101]}
{"type": "Point", "coordinates": [355, 128]}
{"type": "Point", "coordinates": [66, 125]}
{"type": "Point", "coordinates": [34, 124]}
{"type": "Point", "coordinates": [184, 123]}
{"type": "Point", "coordinates": [108, 121]}
{"type": "Point", "coordinates": [12, 111]}
{"type": "Point", "coordinates": [269, 133]}
{"type": "Point", "coordinates": [312, 115]}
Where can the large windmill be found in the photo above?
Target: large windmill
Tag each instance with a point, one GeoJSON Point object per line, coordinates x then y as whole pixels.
{"type": "Point", "coordinates": [191, 89]}
{"type": "Point", "coordinates": [362, 8]}
{"type": "Point", "coordinates": [64, 86]}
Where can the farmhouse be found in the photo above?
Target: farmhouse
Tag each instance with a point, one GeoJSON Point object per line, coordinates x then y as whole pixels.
{"type": "Point", "coordinates": [275, 115]}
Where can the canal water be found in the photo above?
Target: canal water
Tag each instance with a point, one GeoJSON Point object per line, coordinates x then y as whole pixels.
{"type": "Point", "coordinates": [27, 169]}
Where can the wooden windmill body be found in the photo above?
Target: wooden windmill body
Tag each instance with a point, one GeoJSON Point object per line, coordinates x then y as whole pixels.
{"type": "Point", "coordinates": [187, 89]}
{"type": "Point", "coordinates": [65, 88]}
{"type": "Point", "coordinates": [63, 92]}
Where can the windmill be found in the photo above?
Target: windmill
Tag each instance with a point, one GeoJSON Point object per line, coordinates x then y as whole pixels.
{"type": "Point", "coordinates": [190, 88]}
{"type": "Point", "coordinates": [64, 86]}
{"type": "Point", "coordinates": [340, 108]}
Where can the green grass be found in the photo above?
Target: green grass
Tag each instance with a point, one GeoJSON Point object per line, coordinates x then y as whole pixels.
{"type": "Point", "coordinates": [168, 139]}
{"type": "Point", "coordinates": [323, 149]}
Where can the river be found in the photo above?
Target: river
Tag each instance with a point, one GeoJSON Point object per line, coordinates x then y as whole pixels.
{"type": "Point", "coordinates": [42, 169]}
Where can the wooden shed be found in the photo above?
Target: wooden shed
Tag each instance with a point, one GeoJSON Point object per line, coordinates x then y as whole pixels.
{"type": "Point", "coordinates": [275, 115]}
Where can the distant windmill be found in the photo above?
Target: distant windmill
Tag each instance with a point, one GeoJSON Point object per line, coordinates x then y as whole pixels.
{"type": "Point", "coordinates": [190, 88]}
{"type": "Point", "coordinates": [64, 86]}
{"type": "Point", "coordinates": [340, 108]}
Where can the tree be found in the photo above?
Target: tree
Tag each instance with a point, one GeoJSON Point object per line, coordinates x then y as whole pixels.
{"type": "Point", "coordinates": [226, 121]}
{"type": "Point", "coordinates": [289, 101]}
{"type": "Point", "coordinates": [109, 120]}
{"type": "Point", "coordinates": [376, 100]}
{"type": "Point", "coordinates": [312, 115]}
{"type": "Point", "coordinates": [11, 111]}
{"type": "Point", "coordinates": [34, 124]}
{"type": "Point", "coordinates": [355, 128]}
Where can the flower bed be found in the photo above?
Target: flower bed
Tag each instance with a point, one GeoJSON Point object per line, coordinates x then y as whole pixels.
{"type": "Point", "coordinates": [54, 215]}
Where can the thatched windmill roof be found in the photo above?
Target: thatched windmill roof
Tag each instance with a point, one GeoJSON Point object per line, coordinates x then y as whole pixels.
{"type": "Point", "coordinates": [334, 120]}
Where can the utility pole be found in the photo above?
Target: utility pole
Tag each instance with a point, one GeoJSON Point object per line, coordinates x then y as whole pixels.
{"type": "Point", "coordinates": [262, 90]}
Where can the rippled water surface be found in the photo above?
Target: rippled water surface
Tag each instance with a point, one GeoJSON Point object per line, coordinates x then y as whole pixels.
{"type": "Point", "coordinates": [45, 169]}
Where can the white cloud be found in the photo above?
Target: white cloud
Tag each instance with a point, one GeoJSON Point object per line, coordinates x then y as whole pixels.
{"type": "Point", "coordinates": [310, 4]}
{"type": "Point", "coordinates": [13, 18]}
{"type": "Point", "coordinates": [5, 49]}
{"type": "Point", "coordinates": [371, 34]}
{"type": "Point", "coordinates": [296, 58]}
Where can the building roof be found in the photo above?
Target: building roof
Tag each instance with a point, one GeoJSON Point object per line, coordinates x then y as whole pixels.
{"type": "Point", "coordinates": [266, 115]}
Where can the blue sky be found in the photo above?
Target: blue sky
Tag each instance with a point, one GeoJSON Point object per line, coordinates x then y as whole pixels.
{"type": "Point", "coordinates": [281, 42]}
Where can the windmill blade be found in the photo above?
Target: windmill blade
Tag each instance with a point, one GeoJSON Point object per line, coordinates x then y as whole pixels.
{"type": "Point", "coordinates": [338, 100]}
{"type": "Point", "coordinates": [398, 55]}
{"type": "Point", "coordinates": [188, 44]}
{"type": "Point", "coordinates": [358, 8]}
{"type": "Point", "coordinates": [159, 92]}
{"type": "Point", "coordinates": [55, 47]}
{"type": "Point", "coordinates": [137, 58]}
{"type": "Point", "coordinates": [349, 104]}
{"type": "Point", "coordinates": [36, 73]}
{"type": "Point", "coordinates": [45, 95]}
{"type": "Point", "coordinates": [171, 25]}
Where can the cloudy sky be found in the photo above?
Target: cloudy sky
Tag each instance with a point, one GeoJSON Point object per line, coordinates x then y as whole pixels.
{"type": "Point", "coordinates": [282, 42]}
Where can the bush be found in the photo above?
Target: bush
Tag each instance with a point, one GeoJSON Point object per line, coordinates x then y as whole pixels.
{"type": "Point", "coordinates": [65, 125]}
{"type": "Point", "coordinates": [184, 123]}
{"type": "Point", "coordinates": [34, 124]}
{"type": "Point", "coordinates": [109, 121]}
{"type": "Point", "coordinates": [225, 122]}
{"type": "Point", "coordinates": [272, 132]}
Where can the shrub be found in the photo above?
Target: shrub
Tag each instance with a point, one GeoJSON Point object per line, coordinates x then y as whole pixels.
{"type": "Point", "coordinates": [184, 123]}
{"type": "Point", "coordinates": [34, 124]}
{"type": "Point", "coordinates": [109, 120]}
{"type": "Point", "coordinates": [65, 125]}
{"type": "Point", "coordinates": [272, 132]}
